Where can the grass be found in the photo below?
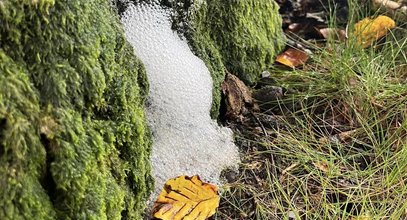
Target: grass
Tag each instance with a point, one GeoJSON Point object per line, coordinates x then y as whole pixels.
{"type": "Point", "coordinates": [336, 143]}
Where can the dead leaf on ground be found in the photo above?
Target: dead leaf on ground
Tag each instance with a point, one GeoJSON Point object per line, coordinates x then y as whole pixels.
{"type": "Point", "coordinates": [333, 33]}
{"type": "Point", "coordinates": [186, 198]}
{"type": "Point", "coordinates": [292, 57]}
{"type": "Point", "coordinates": [397, 10]}
{"type": "Point", "coordinates": [321, 166]}
{"type": "Point", "coordinates": [362, 217]}
{"type": "Point", "coordinates": [387, 4]}
{"type": "Point", "coordinates": [238, 96]}
{"type": "Point", "coordinates": [367, 31]}
{"type": "Point", "coordinates": [345, 136]}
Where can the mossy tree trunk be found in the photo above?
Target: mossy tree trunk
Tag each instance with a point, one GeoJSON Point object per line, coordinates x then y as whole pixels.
{"type": "Point", "coordinates": [73, 137]}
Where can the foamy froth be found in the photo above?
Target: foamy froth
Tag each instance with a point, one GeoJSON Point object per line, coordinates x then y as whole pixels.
{"type": "Point", "coordinates": [186, 141]}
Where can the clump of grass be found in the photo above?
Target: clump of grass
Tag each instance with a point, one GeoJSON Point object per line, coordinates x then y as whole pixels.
{"type": "Point", "coordinates": [337, 147]}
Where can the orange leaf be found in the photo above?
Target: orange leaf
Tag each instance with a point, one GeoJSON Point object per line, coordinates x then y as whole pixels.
{"type": "Point", "coordinates": [367, 31]}
{"type": "Point", "coordinates": [186, 198]}
{"type": "Point", "coordinates": [292, 58]}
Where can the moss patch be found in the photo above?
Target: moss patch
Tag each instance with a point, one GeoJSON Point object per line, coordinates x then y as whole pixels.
{"type": "Point", "coordinates": [73, 138]}
{"type": "Point", "coordinates": [247, 33]}
{"type": "Point", "coordinates": [241, 36]}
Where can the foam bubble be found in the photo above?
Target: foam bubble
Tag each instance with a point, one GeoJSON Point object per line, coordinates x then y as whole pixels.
{"type": "Point", "coordinates": [186, 141]}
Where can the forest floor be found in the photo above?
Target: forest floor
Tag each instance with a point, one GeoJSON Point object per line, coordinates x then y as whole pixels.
{"type": "Point", "coordinates": [328, 139]}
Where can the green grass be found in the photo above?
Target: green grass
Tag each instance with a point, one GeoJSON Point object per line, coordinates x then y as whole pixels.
{"type": "Point", "coordinates": [339, 150]}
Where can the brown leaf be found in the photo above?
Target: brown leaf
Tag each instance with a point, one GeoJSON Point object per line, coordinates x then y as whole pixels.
{"type": "Point", "coordinates": [186, 198]}
{"type": "Point", "coordinates": [238, 95]}
{"type": "Point", "coordinates": [292, 58]}
{"type": "Point", "coordinates": [367, 31]}
{"type": "Point", "coordinates": [333, 33]}
{"type": "Point", "coordinates": [321, 166]}
{"type": "Point", "coordinates": [387, 4]}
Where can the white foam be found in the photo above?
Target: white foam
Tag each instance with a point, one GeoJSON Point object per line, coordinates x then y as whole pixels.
{"type": "Point", "coordinates": [186, 141]}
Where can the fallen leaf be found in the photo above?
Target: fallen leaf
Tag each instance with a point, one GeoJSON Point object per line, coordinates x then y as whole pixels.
{"type": "Point", "coordinates": [186, 198]}
{"type": "Point", "coordinates": [238, 96]}
{"type": "Point", "coordinates": [343, 137]}
{"type": "Point", "coordinates": [362, 217]}
{"type": "Point", "coordinates": [292, 57]}
{"type": "Point", "coordinates": [321, 166]}
{"type": "Point", "coordinates": [333, 33]}
{"type": "Point", "coordinates": [367, 31]}
{"type": "Point", "coordinates": [387, 4]}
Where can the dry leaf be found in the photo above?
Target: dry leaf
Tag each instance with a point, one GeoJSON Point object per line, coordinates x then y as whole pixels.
{"type": "Point", "coordinates": [186, 198]}
{"type": "Point", "coordinates": [397, 9]}
{"type": "Point", "coordinates": [362, 217]}
{"type": "Point", "coordinates": [238, 96]}
{"type": "Point", "coordinates": [367, 31]}
{"type": "Point", "coordinates": [322, 166]}
{"type": "Point", "coordinates": [292, 57]}
{"type": "Point", "coordinates": [333, 33]}
{"type": "Point", "coordinates": [387, 4]}
{"type": "Point", "coordinates": [343, 137]}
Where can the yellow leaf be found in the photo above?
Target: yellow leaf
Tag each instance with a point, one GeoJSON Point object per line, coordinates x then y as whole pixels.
{"type": "Point", "coordinates": [362, 217]}
{"type": "Point", "coordinates": [186, 198]}
{"type": "Point", "coordinates": [367, 31]}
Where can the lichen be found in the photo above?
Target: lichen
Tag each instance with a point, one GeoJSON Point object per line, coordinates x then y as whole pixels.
{"type": "Point", "coordinates": [73, 138]}
{"type": "Point", "coordinates": [240, 36]}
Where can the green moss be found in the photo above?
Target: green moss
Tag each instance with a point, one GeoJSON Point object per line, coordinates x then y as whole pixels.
{"type": "Point", "coordinates": [247, 33]}
{"type": "Point", "coordinates": [73, 138]}
{"type": "Point", "coordinates": [241, 36]}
